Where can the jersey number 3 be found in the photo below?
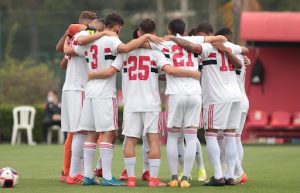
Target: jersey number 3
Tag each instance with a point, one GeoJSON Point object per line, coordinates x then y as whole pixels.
{"type": "Point", "coordinates": [138, 70]}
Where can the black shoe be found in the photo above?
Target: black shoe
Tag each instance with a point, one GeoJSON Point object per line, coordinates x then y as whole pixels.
{"type": "Point", "coordinates": [215, 182]}
{"type": "Point", "coordinates": [230, 182]}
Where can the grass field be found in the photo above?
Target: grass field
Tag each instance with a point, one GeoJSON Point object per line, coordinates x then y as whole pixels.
{"type": "Point", "coordinates": [270, 169]}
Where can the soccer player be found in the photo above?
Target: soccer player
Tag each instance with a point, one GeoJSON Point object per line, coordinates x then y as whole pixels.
{"type": "Point", "coordinates": [142, 101]}
{"type": "Point", "coordinates": [242, 176]}
{"type": "Point", "coordinates": [221, 100]}
{"type": "Point", "coordinates": [184, 103]}
{"type": "Point", "coordinates": [73, 100]}
{"type": "Point", "coordinates": [99, 113]}
{"type": "Point", "coordinates": [74, 82]}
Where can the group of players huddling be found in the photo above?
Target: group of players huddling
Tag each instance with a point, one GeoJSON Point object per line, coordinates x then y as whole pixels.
{"type": "Point", "coordinates": [204, 76]}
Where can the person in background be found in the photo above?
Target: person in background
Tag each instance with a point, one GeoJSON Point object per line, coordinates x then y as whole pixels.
{"type": "Point", "coordinates": [52, 112]}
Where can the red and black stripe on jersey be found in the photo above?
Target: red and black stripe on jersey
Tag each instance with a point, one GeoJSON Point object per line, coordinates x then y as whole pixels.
{"type": "Point", "coordinates": [108, 55]}
{"type": "Point", "coordinates": [211, 59]}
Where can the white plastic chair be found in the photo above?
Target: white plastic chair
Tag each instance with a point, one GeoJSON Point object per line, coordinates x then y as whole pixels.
{"type": "Point", "coordinates": [61, 137]}
{"type": "Point", "coordinates": [23, 119]}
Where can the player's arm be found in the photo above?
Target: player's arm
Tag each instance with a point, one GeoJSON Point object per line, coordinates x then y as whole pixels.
{"type": "Point", "coordinates": [68, 50]}
{"type": "Point", "coordinates": [83, 40]}
{"type": "Point", "coordinates": [231, 57]}
{"type": "Point", "coordinates": [179, 72]}
{"type": "Point", "coordinates": [136, 43]}
{"type": "Point", "coordinates": [64, 63]}
{"type": "Point", "coordinates": [247, 61]}
{"type": "Point", "coordinates": [103, 74]}
{"type": "Point", "coordinates": [185, 44]}
{"type": "Point", "coordinates": [60, 43]}
{"type": "Point", "coordinates": [244, 50]}
{"type": "Point", "coordinates": [218, 38]}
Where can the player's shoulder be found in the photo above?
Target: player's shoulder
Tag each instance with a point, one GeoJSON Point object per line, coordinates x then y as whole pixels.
{"type": "Point", "coordinates": [81, 33]}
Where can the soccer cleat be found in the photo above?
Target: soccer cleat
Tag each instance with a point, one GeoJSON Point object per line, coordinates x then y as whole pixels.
{"type": "Point", "coordinates": [242, 179]}
{"type": "Point", "coordinates": [181, 175]}
{"type": "Point", "coordinates": [155, 182]}
{"type": "Point", "coordinates": [90, 181]}
{"type": "Point", "coordinates": [131, 182]}
{"type": "Point", "coordinates": [215, 182]}
{"type": "Point", "coordinates": [184, 184]}
{"type": "Point", "coordinates": [146, 176]}
{"type": "Point", "coordinates": [75, 180]}
{"type": "Point", "coordinates": [113, 182]}
{"type": "Point", "coordinates": [124, 175]}
{"type": "Point", "coordinates": [98, 172]}
{"type": "Point", "coordinates": [230, 182]}
{"type": "Point", "coordinates": [63, 177]}
{"type": "Point", "coordinates": [202, 175]}
{"type": "Point", "coordinates": [173, 183]}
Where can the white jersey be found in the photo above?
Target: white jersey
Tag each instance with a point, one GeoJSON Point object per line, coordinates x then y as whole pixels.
{"type": "Point", "coordinates": [178, 57]}
{"type": "Point", "coordinates": [140, 79]}
{"type": "Point", "coordinates": [241, 75]}
{"type": "Point", "coordinates": [76, 74]}
{"type": "Point", "coordinates": [219, 82]}
{"type": "Point", "coordinates": [100, 54]}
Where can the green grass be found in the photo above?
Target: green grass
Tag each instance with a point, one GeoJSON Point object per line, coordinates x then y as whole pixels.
{"type": "Point", "coordinates": [270, 169]}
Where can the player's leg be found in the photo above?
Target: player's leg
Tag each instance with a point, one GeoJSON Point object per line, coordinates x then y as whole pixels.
{"type": "Point", "coordinates": [230, 142]}
{"type": "Point", "coordinates": [200, 163]}
{"type": "Point", "coordinates": [75, 106]}
{"type": "Point", "coordinates": [107, 125]}
{"type": "Point", "coordinates": [181, 148]}
{"type": "Point", "coordinates": [146, 174]}
{"type": "Point", "coordinates": [130, 160]}
{"type": "Point", "coordinates": [123, 175]}
{"type": "Point", "coordinates": [221, 142]}
{"type": "Point", "coordinates": [174, 123]}
{"type": "Point", "coordinates": [98, 170]}
{"type": "Point", "coordinates": [239, 172]}
{"type": "Point", "coordinates": [213, 121]}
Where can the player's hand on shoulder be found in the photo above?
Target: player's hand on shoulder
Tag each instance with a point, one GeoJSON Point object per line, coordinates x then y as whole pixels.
{"type": "Point", "coordinates": [154, 38]}
{"type": "Point", "coordinates": [168, 37]}
{"type": "Point", "coordinates": [220, 46]}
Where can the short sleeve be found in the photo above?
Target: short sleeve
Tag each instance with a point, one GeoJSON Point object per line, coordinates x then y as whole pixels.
{"type": "Point", "coordinates": [236, 49]}
{"type": "Point", "coordinates": [79, 50]}
{"type": "Point", "coordinates": [161, 60]}
{"type": "Point", "coordinates": [115, 44]}
{"type": "Point", "coordinates": [118, 62]}
{"type": "Point", "coordinates": [206, 50]}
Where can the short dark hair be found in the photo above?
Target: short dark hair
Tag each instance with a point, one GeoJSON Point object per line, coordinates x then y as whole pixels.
{"type": "Point", "coordinates": [177, 26]}
{"type": "Point", "coordinates": [135, 33]}
{"type": "Point", "coordinates": [147, 26]}
{"type": "Point", "coordinates": [87, 15]}
{"type": "Point", "coordinates": [112, 20]}
{"type": "Point", "coordinates": [205, 27]}
{"type": "Point", "coordinates": [193, 32]}
{"type": "Point", "coordinates": [224, 31]}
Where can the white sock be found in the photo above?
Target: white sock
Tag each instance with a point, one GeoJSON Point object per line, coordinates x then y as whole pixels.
{"type": "Point", "coordinates": [213, 151]}
{"type": "Point", "coordinates": [199, 155]}
{"type": "Point", "coordinates": [221, 142]}
{"type": "Point", "coordinates": [172, 151]}
{"type": "Point", "coordinates": [230, 154]}
{"type": "Point", "coordinates": [77, 154]}
{"type": "Point", "coordinates": [89, 150]}
{"type": "Point", "coordinates": [106, 153]}
{"type": "Point", "coordinates": [239, 146]}
{"type": "Point", "coordinates": [145, 154]}
{"type": "Point", "coordinates": [190, 151]}
{"type": "Point", "coordinates": [181, 149]}
{"type": "Point", "coordinates": [154, 167]}
{"type": "Point", "coordinates": [130, 165]}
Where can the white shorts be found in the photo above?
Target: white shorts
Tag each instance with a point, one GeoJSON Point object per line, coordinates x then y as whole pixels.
{"type": "Point", "coordinates": [184, 110]}
{"type": "Point", "coordinates": [99, 115]}
{"type": "Point", "coordinates": [222, 116]}
{"type": "Point", "coordinates": [242, 123]}
{"type": "Point", "coordinates": [71, 106]}
{"type": "Point", "coordinates": [137, 124]}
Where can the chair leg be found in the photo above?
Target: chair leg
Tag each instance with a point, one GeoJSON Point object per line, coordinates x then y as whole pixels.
{"type": "Point", "coordinates": [19, 137]}
{"type": "Point", "coordinates": [29, 137]}
{"type": "Point", "coordinates": [49, 136]}
{"type": "Point", "coordinates": [14, 136]}
{"type": "Point", "coordinates": [60, 137]}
